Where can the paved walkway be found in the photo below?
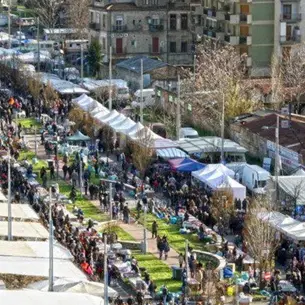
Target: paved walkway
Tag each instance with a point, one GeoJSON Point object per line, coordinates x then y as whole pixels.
{"type": "Point", "coordinates": [135, 230]}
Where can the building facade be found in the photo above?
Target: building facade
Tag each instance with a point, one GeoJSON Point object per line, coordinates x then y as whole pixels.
{"type": "Point", "coordinates": [156, 28]}
{"type": "Point", "coordinates": [259, 28]}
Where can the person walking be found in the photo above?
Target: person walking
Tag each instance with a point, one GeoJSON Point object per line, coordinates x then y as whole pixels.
{"type": "Point", "coordinates": [181, 260]}
{"type": "Point", "coordinates": [154, 229]}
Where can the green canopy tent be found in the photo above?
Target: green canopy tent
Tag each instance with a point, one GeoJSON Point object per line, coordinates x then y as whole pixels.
{"type": "Point", "coordinates": [78, 137]}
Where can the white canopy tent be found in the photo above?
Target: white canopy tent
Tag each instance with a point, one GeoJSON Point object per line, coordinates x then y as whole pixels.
{"type": "Point", "coordinates": [79, 99]}
{"type": "Point", "coordinates": [70, 285]}
{"type": "Point", "coordinates": [32, 57]}
{"type": "Point", "coordinates": [19, 211]}
{"type": "Point", "coordinates": [26, 230]}
{"type": "Point", "coordinates": [293, 186]}
{"type": "Point", "coordinates": [123, 126]}
{"type": "Point", "coordinates": [29, 266]}
{"type": "Point", "coordinates": [99, 109]}
{"type": "Point", "coordinates": [34, 249]}
{"type": "Point", "coordinates": [213, 175]}
{"type": "Point", "coordinates": [117, 120]}
{"type": "Point", "coordinates": [144, 134]}
{"type": "Point", "coordinates": [32, 297]}
{"type": "Point", "coordinates": [2, 198]}
{"type": "Point", "coordinates": [134, 129]}
{"type": "Point", "coordinates": [239, 190]}
{"type": "Point", "coordinates": [66, 87]}
{"type": "Point", "coordinates": [107, 117]}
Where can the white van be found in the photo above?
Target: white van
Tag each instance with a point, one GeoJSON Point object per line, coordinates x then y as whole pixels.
{"type": "Point", "coordinates": [188, 132]}
{"type": "Point", "coordinates": [255, 178]}
{"type": "Point", "coordinates": [148, 98]}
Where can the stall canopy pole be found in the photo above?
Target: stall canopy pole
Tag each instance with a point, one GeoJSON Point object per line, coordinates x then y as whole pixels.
{"type": "Point", "coordinates": [110, 78]}
{"type": "Point", "coordinates": [141, 93]}
{"type": "Point", "coordinates": [51, 259]}
{"type": "Point", "coordinates": [9, 199]}
{"type": "Point", "coordinates": [105, 271]}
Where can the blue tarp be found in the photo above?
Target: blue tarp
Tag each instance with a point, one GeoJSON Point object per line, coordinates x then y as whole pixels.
{"type": "Point", "coordinates": [187, 165]}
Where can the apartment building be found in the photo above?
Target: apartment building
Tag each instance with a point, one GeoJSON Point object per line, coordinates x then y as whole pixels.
{"type": "Point", "coordinates": [156, 28]}
{"type": "Point", "coordinates": [258, 28]}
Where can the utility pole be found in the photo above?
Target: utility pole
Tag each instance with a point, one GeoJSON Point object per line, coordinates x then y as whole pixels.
{"type": "Point", "coordinates": [35, 141]}
{"type": "Point", "coordinates": [9, 198]}
{"type": "Point", "coordinates": [186, 264]}
{"type": "Point", "coordinates": [110, 78]}
{"type": "Point", "coordinates": [38, 46]}
{"type": "Point", "coordinates": [145, 246]}
{"type": "Point", "coordinates": [51, 258]}
{"type": "Point", "coordinates": [141, 88]}
{"type": "Point", "coordinates": [178, 114]}
{"type": "Point", "coordinates": [9, 23]}
{"type": "Point", "coordinates": [82, 61]}
{"type": "Point", "coordinates": [110, 200]}
{"type": "Point", "coordinates": [20, 35]}
{"type": "Point", "coordinates": [277, 156]}
{"type": "Point", "coordinates": [222, 158]}
{"type": "Point", "coordinates": [105, 271]}
{"type": "Point", "coordinates": [81, 175]}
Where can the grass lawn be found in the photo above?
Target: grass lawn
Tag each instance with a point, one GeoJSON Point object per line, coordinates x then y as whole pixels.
{"type": "Point", "coordinates": [122, 235]}
{"type": "Point", "coordinates": [29, 155]}
{"type": "Point", "coordinates": [175, 239]}
{"type": "Point", "coordinates": [159, 271]}
{"type": "Point", "coordinates": [29, 122]}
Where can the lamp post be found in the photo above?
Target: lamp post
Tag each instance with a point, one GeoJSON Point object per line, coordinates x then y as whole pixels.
{"type": "Point", "coordinates": [105, 271]}
{"type": "Point", "coordinates": [141, 90]}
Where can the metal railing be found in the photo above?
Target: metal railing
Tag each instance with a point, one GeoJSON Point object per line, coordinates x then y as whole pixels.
{"type": "Point", "coordinates": [156, 27]}
{"type": "Point", "coordinates": [291, 17]}
{"type": "Point", "coordinates": [119, 28]}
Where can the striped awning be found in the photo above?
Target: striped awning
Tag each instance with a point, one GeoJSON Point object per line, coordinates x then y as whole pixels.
{"type": "Point", "coordinates": [171, 153]}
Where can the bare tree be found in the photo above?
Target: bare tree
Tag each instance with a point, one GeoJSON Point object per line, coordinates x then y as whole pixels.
{"type": "Point", "coordinates": [142, 151]}
{"type": "Point", "coordinates": [48, 11]}
{"type": "Point", "coordinates": [49, 95]}
{"type": "Point", "coordinates": [219, 76]}
{"type": "Point", "coordinates": [276, 83]}
{"type": "Point", "coordinates": [78, 16]}
{"type": "Point", "coordinates": [259, 236]}
{"type": "Point", "coordinates": [34, 87]}
{"type": "Point", "coordinates": [293, 71]}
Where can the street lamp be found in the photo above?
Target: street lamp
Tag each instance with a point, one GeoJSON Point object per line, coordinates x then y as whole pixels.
{"type": "Point", "coordinates": [145, 245]}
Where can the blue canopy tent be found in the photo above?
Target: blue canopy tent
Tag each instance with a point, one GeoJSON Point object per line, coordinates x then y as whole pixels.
{"type": "Point", "coordinates": [186, 165]}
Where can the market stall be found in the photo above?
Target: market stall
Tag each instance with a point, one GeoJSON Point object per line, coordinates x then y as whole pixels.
{"type": "Point", "coordinates": [24, 230]}
{"type": "Point", "coordinates": [19, 211]}
{"type": "Point", "coordinates": [213, 175]}
{"type": "Point", "coordinates": [78, 137]}
{"type": "Point", "coordinates": [34, 249]}
{"type": "Point", "coordinates": [186, 165]}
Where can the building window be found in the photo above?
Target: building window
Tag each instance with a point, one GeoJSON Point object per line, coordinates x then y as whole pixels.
{"type": "Point", "coordinates": [173, 22]}
{"type": "Point", "coordinates": [92, 17]}
{"type": "Point", "coordinates": [184, 24]}
{"type": "Point", "coordinates": [104, 43]}
{"type": "Point", "coordinates": [119, 23]}
{"type": "Point", "coordinates": [183, 47]}
{"type": "Point", "coordinates": [287, 11]}
{"type": "Point", "coordinates": [172, 47]}
{"type": "Point", "coordinates": [104, 21]}
{"type": "Point", "coordinates": [134, 43]}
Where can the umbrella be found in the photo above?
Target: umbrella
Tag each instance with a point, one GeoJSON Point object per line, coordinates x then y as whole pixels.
{"type": "Point", "coordinates": [78, 136]}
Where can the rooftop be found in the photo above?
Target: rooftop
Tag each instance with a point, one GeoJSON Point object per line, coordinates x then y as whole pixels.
{"type": "Point", "coordinates": [134, 64]}
{"type": "Point", "coordinates": [292, 138]}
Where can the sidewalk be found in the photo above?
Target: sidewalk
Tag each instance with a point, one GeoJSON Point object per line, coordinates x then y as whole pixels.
{"type": "Point", "coordinates": [137, 232]}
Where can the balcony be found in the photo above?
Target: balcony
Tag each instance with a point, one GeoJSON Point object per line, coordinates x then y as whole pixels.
{"type": "Point", "coordinates": [293, 39]}
{"type": "Point", "coordinates": [291, 17]}
{"type": "Point", "coordinates": [156, 27]}
{"type": "Point", "coordinates": [232, 18]}
{"type": "Point", "coordinates": [245, 18]}
{"type": "Point", "coordinates": [233, 40]}
{"type": "Point", "coordinates": [95, 26]}
{"type": "Point", "coordinates": [119, 28]}
{"type": "Point", "coordinates": [220, 15]}
{"type": "Point", "coordinates": [209, 33]}
{"type": "Point", "coordinates": [210, 13]}
{"type": "Point", "coordinates": [242, 39]}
